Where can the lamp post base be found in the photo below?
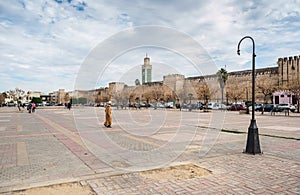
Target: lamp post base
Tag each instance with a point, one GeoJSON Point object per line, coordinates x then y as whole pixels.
{"type": "Point", "coordinates": [253, 146]}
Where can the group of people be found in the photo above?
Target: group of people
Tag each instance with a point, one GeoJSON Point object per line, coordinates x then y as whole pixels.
{"type": "Point", "coordinates": [31, 107]}
{"type": "Point", "coordinates": [68, 105]}
{"type": "Point", "coordinates": [108, 115]}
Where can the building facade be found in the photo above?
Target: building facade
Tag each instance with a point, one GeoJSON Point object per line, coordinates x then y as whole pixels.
{"type": "Point", "coordinates": [273, 85]}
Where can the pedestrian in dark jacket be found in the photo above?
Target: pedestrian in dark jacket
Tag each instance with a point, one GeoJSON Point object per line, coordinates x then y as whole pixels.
{"type": "Point", "coordinates": [69, 105]}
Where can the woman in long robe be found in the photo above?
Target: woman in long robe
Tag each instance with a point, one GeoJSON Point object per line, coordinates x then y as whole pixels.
{"type": "Point", "coordinates": [108, 115]}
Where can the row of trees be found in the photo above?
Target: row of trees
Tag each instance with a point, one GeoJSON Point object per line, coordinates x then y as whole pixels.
{"type": "Point", "coordinates": [239, 90]}
{"type": "Point", "coordinates": [139, 94]}
{"type": "Point", "coordinates": [265, 87]}
{"type": "Point", "coordinates": [236, 90]}
{"type": "Point", "coordinates": [17, 95]}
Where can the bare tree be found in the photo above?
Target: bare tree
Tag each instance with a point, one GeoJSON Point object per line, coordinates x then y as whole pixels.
{"type": "Point", "coordinates": [168, 94]}
{"type": "Point", "coordinates": [17, 95]}
{"type": "Point", "coordinates": [181, 97]}
{"type": "Point", "coordinates": [98, 98]}
{"type": "Point", "coordinates": [267, 87]}
{"type": "Point", "coordinates": [157, 94]}
{"type": "Point", "coordinates": [203, 93]}
{"type": "Point", "coordinates": [102, 98]}
{"type": "Point", "coordinates": [67, 97]}
{"type": "Point", "coordinates": [2, 98]}
{"type": "Point", "coordinates": [117, 96]}
{"type": "Point", "coordinates": [125, 95]}
{"type": "Point", "coordinates": [132, 98]}
{"type": "Point", "coordinates": [105, 98]}
{"type": "Point", "coordinates": [234, 92]}
{"type": "Point", "coordinates": [147, 97]}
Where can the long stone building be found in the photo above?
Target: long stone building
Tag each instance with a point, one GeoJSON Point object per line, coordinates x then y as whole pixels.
{"type": "Point", "coordinates": [175, 87]}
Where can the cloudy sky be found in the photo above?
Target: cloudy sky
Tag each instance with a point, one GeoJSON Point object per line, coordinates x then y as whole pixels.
{"type": "Point", "coordinates": [45, 43]}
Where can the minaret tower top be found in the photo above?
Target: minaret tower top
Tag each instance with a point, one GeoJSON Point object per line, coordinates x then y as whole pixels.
{"type": "Point", "coordinates": [146, 60]}
{"type": "Point", "coordinates": [146, 71]}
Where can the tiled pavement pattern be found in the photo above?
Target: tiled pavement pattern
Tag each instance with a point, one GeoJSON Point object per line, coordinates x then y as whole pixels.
{"type": "Point", "coordinates": [46, 148]}
{"type": "Point", "coordinates": [232, 174]}
{"type": "Point", "coordinates": [8, 155]}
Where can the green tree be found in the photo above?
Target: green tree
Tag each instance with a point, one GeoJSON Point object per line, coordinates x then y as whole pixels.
{"type": "Point", "coordinates": [81, 100]}
{"type": "Point", "coordinates": [36, 100]}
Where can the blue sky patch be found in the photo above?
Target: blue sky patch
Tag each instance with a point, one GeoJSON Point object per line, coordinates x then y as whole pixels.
{"type": "Point", "coordinates": [80, 6]}
{"type": "Point", "coordinates": [58, 1]}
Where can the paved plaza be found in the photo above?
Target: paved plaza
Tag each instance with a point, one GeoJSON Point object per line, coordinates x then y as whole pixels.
{"type": "Point", "coordinates": [56, 145]}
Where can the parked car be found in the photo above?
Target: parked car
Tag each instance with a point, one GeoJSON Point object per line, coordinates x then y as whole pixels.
{"type": "Point", "coordinates": [216, 106]}
{"type": "Point", "coordinates": [237, 107]}
{"type": "Point", "coordinates": [258, 107]}
{"type": "Point", "coordinates": [198, 106]}
{"type": "Point", "coordinates": [221, 106]}
{"type": "Point", "coordinates": [184, 106]}
{"type": "Point", "coordinates": [267, 107]}
{"type": "Point", "coordinates": [160, 105]}
{"type": "Point", "coordinates": [212, 105]}
{"type": "Point", "coordinates": [169, 105]}
{"type": "Point", "coordinates": [11, 104]}
{"type": "Point", "coordinates": [143, 104]}
{"type": "Point", "coordinates": [283, 107]}
{"type": "Point", "coordinates": [271, 108]}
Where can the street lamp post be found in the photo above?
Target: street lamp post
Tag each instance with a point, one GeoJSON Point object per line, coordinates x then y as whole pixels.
{"type": "Point", "coordinates": [227, 98]}
{"type": "Point", "coordinates": [247, 94]}
{"type": "Point", "coordinates": [190, 95]}
{"type": "Point", "coordinates": [253, 146]}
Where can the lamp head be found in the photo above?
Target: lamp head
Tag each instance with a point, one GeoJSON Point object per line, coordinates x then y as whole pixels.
{"type": "Point", "coordinates": [238, 52]}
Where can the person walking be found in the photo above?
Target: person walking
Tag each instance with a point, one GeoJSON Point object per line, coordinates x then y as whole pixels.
{"type": "Point", "coordinates": [33, 107]}
{"type": "Point", "coordinates": [29, 108]}
{"type": "Point", "coordinates": [69, 105]}
{"type": "Point", "coordinates": [108, 115]}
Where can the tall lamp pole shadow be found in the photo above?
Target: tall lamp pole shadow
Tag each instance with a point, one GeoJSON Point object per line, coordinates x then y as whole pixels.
{"type": "Point", "coordinates": [253, 146]}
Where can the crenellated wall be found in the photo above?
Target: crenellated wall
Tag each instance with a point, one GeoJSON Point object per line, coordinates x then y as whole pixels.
{"type": "Point", "coordinates": [289, 70]}
{"type": "Point", "coordinates": [237, 87]}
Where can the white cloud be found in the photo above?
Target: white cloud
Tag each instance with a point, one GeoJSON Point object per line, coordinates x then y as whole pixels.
{"type": "Point", "coordinates": [51, 39]}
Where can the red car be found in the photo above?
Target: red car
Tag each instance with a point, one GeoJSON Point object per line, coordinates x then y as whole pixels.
{"type": "Point", "coordinates": [237, 107]}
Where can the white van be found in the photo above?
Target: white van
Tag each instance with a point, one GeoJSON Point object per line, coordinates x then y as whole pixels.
{"type": "Point", "coordinates": [212, 105]}
{"type": "Point", "coordinates": [216, 106]}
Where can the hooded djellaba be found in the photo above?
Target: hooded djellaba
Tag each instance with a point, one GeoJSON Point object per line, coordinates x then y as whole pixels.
{"type": "Point", "coordinates": [108, 115]}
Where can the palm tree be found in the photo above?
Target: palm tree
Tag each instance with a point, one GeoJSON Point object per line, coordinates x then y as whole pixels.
{"type": "Point", "coordinates": [222, 78]}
